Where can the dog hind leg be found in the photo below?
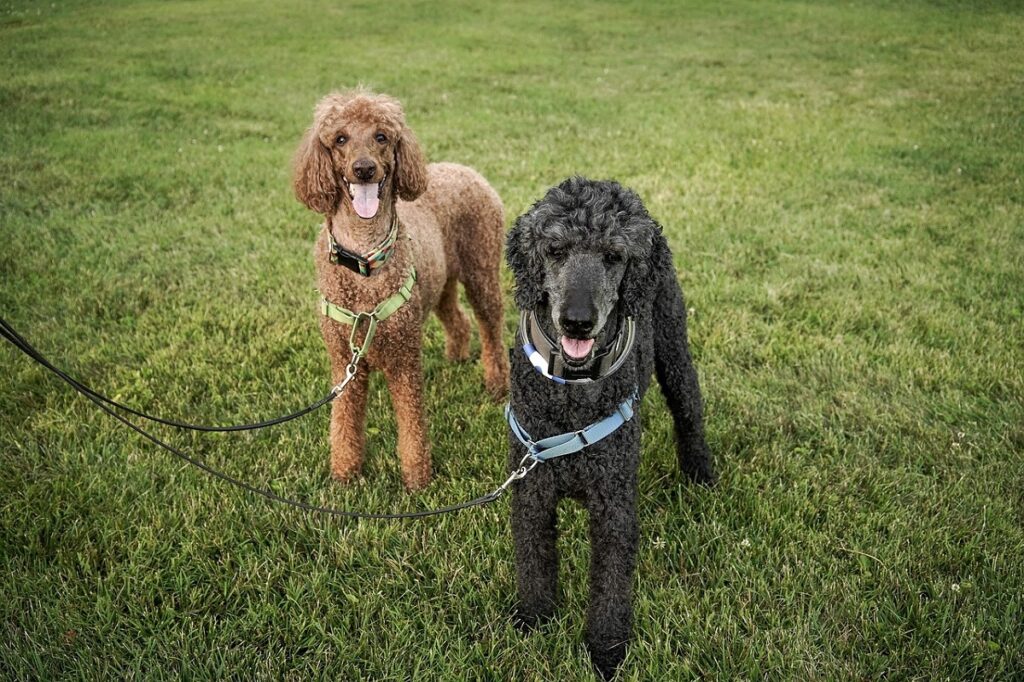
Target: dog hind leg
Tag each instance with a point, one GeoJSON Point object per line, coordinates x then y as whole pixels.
{"type": "Point", "coordinates": [454, 321]}
{"type": "Point", "coordinates": [484, 293]}
{"type": "Point", "coordinates": [479, 252]}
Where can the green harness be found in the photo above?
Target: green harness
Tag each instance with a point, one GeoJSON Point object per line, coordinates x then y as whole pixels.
{"type": "Point", "coordinates": [383, 311]}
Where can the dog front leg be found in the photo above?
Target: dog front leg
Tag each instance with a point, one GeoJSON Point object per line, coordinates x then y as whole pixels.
{"type": "Point", "coordinates": [348, 422]}
{"type": "Point", "coordinates": [404, 374]}
{"type": "Point", "coordinates": [614, 534]}
{"type": "Point", "coordinates": [678, 379]}
{"type": "Point", "coordinates": [534, 534]}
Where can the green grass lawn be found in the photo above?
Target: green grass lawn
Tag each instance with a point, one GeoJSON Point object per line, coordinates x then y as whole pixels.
{"type": "Point", "coordinates": [841, 186]}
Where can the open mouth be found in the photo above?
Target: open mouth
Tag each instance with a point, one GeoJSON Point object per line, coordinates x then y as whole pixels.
{"type": "Point", "coordinates": [366, 197]}
{"type": "Point", "coordinates": [576, 351]}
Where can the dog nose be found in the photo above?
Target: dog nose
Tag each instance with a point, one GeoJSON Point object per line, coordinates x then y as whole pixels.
{"type": "Point", "coordinates": [577, 320]}
{"type": "Point", "coordinates": [364, 169]}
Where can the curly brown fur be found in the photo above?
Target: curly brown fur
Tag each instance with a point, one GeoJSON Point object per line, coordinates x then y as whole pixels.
{"type": "Point", "coordinates": [584, 257]}
{"type": "Point", "coordinates": [451, 226]}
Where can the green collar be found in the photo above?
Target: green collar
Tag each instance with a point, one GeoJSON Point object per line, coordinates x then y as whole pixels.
{"type": "Point", "coordinates": [364, 265]}
{"type": "Point", "coordinates": [383, 311]}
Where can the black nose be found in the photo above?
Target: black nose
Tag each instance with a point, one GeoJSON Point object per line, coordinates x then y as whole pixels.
{"type": "Point", "coordinates": [364, 169]}
{"type": "Point", "coordinates": [577, 320]}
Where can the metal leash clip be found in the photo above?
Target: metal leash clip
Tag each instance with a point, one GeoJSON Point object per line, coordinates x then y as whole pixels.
{"type": "Point", "coordinates": [350, 373]}
{"type": "Point", "coordinates": [519, 473]}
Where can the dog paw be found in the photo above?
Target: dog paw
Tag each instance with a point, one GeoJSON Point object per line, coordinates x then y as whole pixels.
{"type": "Point", "coordinates": [527, 620]}
{"type": "Point", "coordinates": [496, 373]}
{"type": "Point", "coordinates": [497, 391]}
{"type": "Point", "coordinates": [456, 352]}
{"type": "Point", "coordinates": [702, 475]}
{"type": "Point", "coordinates": [606, 659]}
{"type": "Point", "coordinates": [344, 475]}
{"type": "Point", "coordinates": [696, 464]}
{"type": "Point", "coordinates": [417, 482]}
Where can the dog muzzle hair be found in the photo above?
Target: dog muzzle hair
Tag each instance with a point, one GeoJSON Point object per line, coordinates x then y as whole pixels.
{"type": "Point", "coordinates": [545, 354]}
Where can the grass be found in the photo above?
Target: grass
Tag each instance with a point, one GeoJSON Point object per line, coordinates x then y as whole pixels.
{"type": "Point", "coordinates": [840, 183]}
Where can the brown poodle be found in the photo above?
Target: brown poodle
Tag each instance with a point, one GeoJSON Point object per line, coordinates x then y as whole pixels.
{"type": "Point", "coordinates": [362, 168]}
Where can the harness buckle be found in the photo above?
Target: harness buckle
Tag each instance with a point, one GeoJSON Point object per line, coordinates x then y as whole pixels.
{"type": "Point", "coordinates": [582, 436]}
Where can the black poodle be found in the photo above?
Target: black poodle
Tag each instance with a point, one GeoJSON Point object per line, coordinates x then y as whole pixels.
{"type": "Point", "coordinates": [601, 309]}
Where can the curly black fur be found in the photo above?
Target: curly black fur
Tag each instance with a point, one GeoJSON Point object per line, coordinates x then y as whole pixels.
{"type": "Point", "coordinates": [582, 216]}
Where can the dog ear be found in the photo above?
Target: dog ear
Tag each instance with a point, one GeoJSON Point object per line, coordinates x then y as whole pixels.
{"type": "Point", "coordinates": [313, 179]}
{"type": "Point", "coordinates": [520, 254]}
{"type": "Point", "coordinates": [411, 167]}
{"type": "Point", "coordinates": [649, 259]}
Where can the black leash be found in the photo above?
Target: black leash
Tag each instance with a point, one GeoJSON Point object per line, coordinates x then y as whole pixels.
{"type": "Point", "coordinates": [105, 404]}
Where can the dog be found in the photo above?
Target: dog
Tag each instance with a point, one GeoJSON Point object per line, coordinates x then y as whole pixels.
{"type": "Point", "coordinates": [602, 312]}
{"type": "Point", "coordinates": [386, 213]}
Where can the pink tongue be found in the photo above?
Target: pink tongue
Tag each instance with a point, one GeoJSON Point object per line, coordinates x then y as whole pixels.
{"type": "Point", "coordinates": [577, 349]}
{"type": "Point", "coordinates": [364, 199]}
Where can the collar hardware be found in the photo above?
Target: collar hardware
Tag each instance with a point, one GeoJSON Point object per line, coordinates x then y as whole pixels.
{"type": "Point", "coordinates": [368, 264]}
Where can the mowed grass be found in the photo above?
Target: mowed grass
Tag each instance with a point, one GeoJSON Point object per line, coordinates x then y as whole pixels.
{"type": "Point", "coordinates": [841, 185]}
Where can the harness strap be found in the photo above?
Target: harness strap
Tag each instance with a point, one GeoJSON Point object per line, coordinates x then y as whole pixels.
{"type": "Point", "coordinates": [574, 441]}
{"type": "Point", "coordinates": [383, 311]}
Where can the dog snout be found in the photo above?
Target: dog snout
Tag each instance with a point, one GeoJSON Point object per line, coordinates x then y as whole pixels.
{"type": "Point", "coordinates": [364, 169]}
{"type": "Point", "coordinates": [577, 319]}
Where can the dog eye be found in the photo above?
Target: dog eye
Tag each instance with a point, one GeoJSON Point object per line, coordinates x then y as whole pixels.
{"type": "Point", "coordinates": [557, 253]}
{"type": "Point", "coordinates": [340, 140]}
{"type": "Point", "coordinates": [381, 137]}
{"type": "Point", "coordinates": [613, 257]}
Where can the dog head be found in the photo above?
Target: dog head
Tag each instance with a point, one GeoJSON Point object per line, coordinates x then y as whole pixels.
{"type": "Point", "coordinates": [358, 153]}
{"type": "Point", "coordinates": [581, 258]}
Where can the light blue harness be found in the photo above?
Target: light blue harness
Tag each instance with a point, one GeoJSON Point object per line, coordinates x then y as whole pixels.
{"type": "Point", "coordinates": [574, 441]}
